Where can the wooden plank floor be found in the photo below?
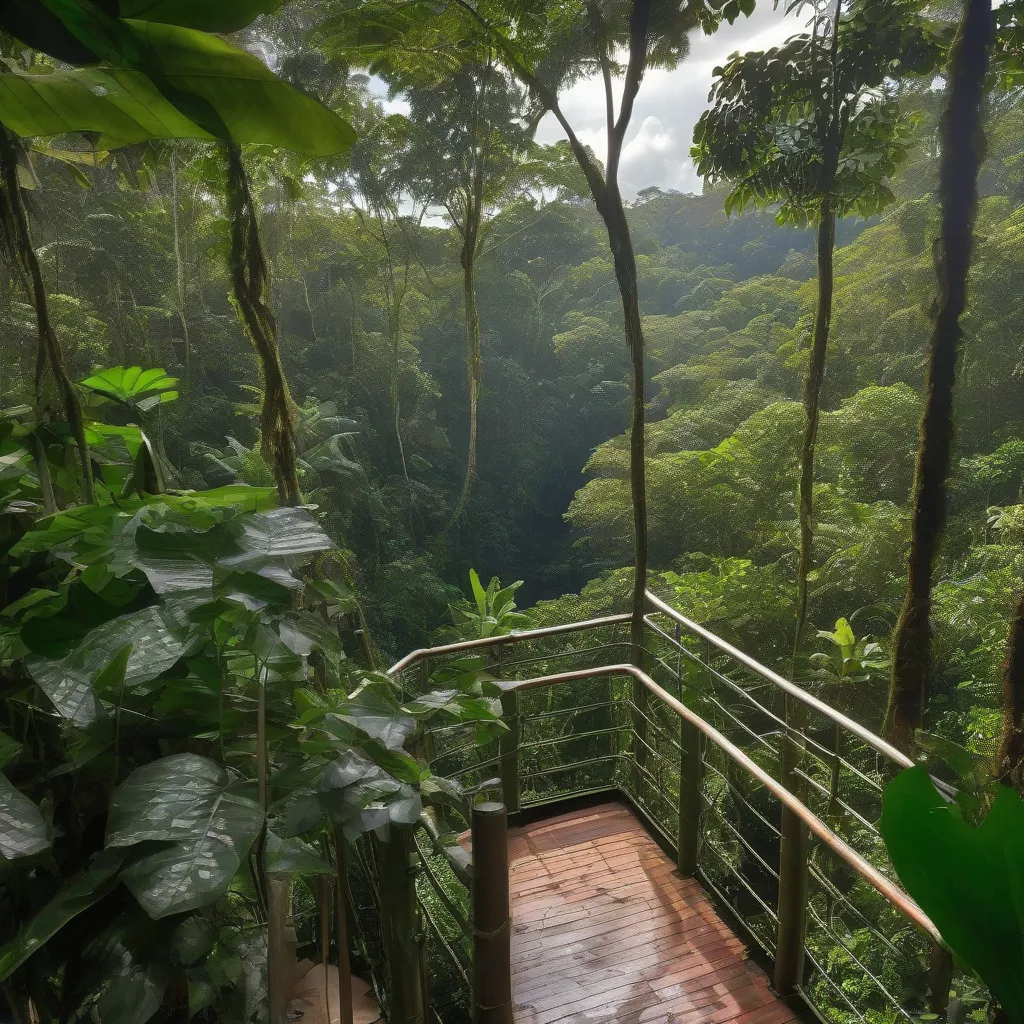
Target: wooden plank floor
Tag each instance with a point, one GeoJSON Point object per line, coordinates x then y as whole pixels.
{"type": "Point", "coordinates": [605, 930]}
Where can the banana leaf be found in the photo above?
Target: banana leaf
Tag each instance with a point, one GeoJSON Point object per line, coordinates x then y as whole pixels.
{"type": "Point", "coordinates": [969, 881]}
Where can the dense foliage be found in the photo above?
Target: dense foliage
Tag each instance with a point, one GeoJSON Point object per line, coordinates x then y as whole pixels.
{"type": "Point", "coordinates": [265, 409]}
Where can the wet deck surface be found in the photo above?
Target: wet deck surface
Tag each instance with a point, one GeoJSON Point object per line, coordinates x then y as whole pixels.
{"type": "Point", "coordinates": [605, 930]}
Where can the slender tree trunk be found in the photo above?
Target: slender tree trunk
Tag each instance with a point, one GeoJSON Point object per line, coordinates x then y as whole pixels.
{"type": "Point", "coordinates": [250, 281]}
{"type": "Point", "coordinates": [474, 363]}
{"type": "Point", "coordinates": [962, 152]}
{"type": "Point", "coordinates": [50, 351]}
{"type": "Point", "coordinates": [179, 270]}
{"type": "Point", "coordinates": [395, 329]}
{"type": "Point", "coordinates": [812, 410]}
{"type": "Point", "coordinates": [1010, 762]}
{"type": "Point", "coordinates": [613, 212]}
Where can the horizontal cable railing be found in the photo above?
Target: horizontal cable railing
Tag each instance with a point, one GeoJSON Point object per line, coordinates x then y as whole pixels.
{"type": "Point", "coordinates": [754, 782]}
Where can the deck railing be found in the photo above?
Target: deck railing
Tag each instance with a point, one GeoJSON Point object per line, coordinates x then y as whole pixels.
{"type": "Point", "coordinates": [760, 789]}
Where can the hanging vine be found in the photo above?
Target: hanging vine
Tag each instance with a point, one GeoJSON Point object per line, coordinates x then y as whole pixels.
{"type": "Point", "coordinates": [250, 282]}
{"type": "Point", "coordinates": [19, 252]}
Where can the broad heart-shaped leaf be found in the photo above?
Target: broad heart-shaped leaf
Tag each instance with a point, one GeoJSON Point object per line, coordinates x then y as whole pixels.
{"type": "Point", "coordinates": [22, 829]}
{"type": "Point", "coordinates": [156, 641]}
{"type": "Point", "coordinates": [195, 804]}
{"type": "Point", "coordinates": [362, 796]}
{"type": "Point", "coordinates": [288, 534]}
{"type": "Point", "coordinates": [217, 16]}
{"type": "Point", "coordinates": [969, 881]}
{"type": "Point", "coordinates": [79, 893]}
{"type": "Point", "coordinates": [135, 988]}
{"type": "Point", "coordinates": [376, 713]}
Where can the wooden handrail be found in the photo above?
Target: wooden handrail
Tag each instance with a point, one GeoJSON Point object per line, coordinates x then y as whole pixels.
{"type": "Point", "coordinates": [858, 730]}
{"type": "Point", "coordinates": [889, 890]}
{"type": "Point", "coordinates": [515, 637]}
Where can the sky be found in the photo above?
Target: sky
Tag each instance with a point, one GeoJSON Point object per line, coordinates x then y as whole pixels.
{"type": "Point", "coordinates": [657, 150]}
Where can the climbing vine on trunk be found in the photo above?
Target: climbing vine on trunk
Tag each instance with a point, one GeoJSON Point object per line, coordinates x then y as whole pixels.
{"type": "Point", "coordinates": [16, 240]}
{"type": "Point", "coordinates": [250, 281]}
{"type": "Point", "coordinates": [962, 146]}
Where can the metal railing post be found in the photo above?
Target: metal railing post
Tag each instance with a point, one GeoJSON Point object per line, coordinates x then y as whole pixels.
{"type": "Point", "coordinates": [691, 771]}
{"type": "Point", "coordinates": [508, 744]}
{"type": "Point", "coordinates": [402, 929]}
{"type": "Point", "coordinates": [492, 966]}
{"type": "Point", "coordinates": [794, 843]}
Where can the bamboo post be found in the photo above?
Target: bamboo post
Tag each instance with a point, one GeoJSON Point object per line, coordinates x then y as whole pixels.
{"type": "Point", "coordinates": [280, 970]}
{"type": "Point", "coordinates": [509, 750]}
{"type": "Point", "coordinates": [492, 968]}
{"type": "Point", "coordinates": [794, 845]}
{"type": "Point", "coordinates": [341, 929]}
{"type": "Point", "coordinates": [400, 925]}
{"type": "Point", "coordinates": [691, 770]}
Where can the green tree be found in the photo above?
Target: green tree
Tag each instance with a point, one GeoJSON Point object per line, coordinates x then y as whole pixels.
{"type": "Point", "coordinates": [815, 125]}
{"type": "Point", "coordinates": [469, 136]}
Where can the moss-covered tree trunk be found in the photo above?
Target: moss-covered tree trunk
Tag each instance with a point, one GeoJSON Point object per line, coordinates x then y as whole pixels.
{"type": "Point", "coordinates": [1010, 762]}
{"type": "Point", "coordinates": [613, 212]}
{"type": "Point", "coordinates": [16, 238]}
{"type": "Point", "coordinates": [250, 282]}
{"type": "Point", "coordinates": [962, 151]}
{"type": "Point", "coordinates": [826, 242]}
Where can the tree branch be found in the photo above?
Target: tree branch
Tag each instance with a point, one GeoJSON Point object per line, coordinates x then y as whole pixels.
{"type": "Point", "coordinates": [598, 25]}
{"type": "Point", "coordinates": [639, 21]}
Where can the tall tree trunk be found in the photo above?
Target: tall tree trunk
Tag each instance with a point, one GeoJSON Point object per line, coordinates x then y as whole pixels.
{"type": "Point", "coordinates": [812, 409]}
{"type": "Point", "coordinates": [1010, 762]}
{"type": "Point", "coordinates": [607, 198]}
{"type": "Point", "coordinates": [250, 281]}
{"type": "Point", "coordinates": [179, 266]}
{"type": "Point", "coordinates": [962, 151]}
{"type": "Point", "coordinates": [395, 330]}
{"type": "Point", "coordinates": [17, 239]}
{"type": "Point", "coordinates": [474, 363]}
{"type": "Point", "coordinates": [625, 274]}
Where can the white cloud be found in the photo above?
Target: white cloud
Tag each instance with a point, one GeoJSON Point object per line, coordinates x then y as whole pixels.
{"type": "Point", "coordinates": [657, 148]}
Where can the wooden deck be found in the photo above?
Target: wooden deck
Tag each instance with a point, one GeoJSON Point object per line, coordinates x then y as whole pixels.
{"type": "Point", "coordinates": [605, 930]}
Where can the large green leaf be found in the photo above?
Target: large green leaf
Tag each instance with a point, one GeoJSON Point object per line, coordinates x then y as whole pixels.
{"type": "Point", "coordinates": [289, 534]}
{"type": "Point", "coordinates": [156, 644]}
{"type": "Point", "coordinates": [196, 805]}
{"type": "Point", "coordinates": [218, 16]}
{"type": "Point", "coordinates": [969, 881]}
{"type": "Point", "coordinates": [124, 105]}
{"type": "Point", "coordinates": [22, 829]}
{"type": "Point", "coordinates": [79, 893]}
{"type": "Point", "coordinates": [133, 386]}
{"type": "Point", "coordinates": [292, 856]}
{"type": "Point", "coordinates": [361, 796]}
